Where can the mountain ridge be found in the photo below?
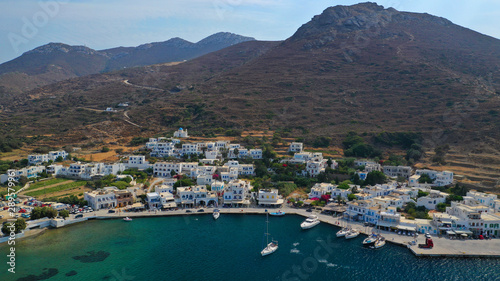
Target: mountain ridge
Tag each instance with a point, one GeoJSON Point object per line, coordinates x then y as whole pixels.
{"type": "Point", "coordinates": [53, 62]}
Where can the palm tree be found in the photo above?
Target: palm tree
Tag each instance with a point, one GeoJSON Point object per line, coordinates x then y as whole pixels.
{"type": "Point", "coordinates": [339, 199]}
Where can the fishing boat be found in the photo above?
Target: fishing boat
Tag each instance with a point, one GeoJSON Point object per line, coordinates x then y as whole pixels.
{"type": "Point", "coordinates": [271, 247]}
{"type": "Point", "coordinates": [127, 219]}
{"type": "Point", "coordinates": [370, 240]}
{"type": "Point", "coordinates": [310, 222]}
{"type": "Point", "coordinates": [379, 243]}
{"type": "Point", "coordinates": [216, 214]}
{"type": "Point", "coordinates": [279, 213]}
{"type": "Point", "coordinates": [353, 233]}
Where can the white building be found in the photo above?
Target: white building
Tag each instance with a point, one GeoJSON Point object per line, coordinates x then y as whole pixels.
{"type": "Point", "coordinates": [296, 147]}
{"type": "Point", "coordinates": [52, 155]}
{"type": "Point", "coordinates": [190, 148]}
{"type": "Point", "coordinates": [398, 171]}
{"type": "Point", "coordinates": [430, 201]}
{"type": "Point", "coordinates": [237, 193]}
{"type": "Point", "coordinates": [101, 198]}
{"type": "Point", "coordinates": [440, 178]}
{"type": "Point", "coordinates": [29, 172]}
{"type": "Point", "coordinates": [482, 198]}
{"type": "Point", "coordinates": [154, 200]}
{"type": "Point", "coordinates": [269, 197]}
{"type": "Point", "coordinates": [181, 133]}
{"type": "Point", "coordinates": [256, 153]}
{"type": "Point", "coordinates": [137, 161]}
{"type": "Point", "coordinates": [315, 167]}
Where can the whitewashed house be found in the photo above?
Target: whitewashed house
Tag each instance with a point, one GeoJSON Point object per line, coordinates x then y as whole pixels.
{"type": "Point", "coordinates": [398, 171]}
{"type": "Point", "coordinates": [430, 201]}
{"type": "Point", "coordinates": [101, 198]}
{"type": "Point", "coordinates": [269, 197]}
{"type": "Point", "coordinates": [137, 161]}
{"type": "Point", "coordinates": [296, 147]}
{"type": "Point", "coordinates": [237, 193]}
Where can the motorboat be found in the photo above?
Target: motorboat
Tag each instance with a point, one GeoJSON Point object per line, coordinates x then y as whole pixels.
{"type": "Point", "coordinates": [379, 243]}
{"type": "Point", "coordinates": [353, 233]}
{"type": "Point", "coordinates": [216, 214]}
{"type": "Point", "coordinates": [310, 222]}
{"type": "Point", "coordinates": [271, 247]}
{"type": "Point", "coordinates": [370, 240]}
{"type": "Point", "coordinates": [127, 219]}
{"type": "Point", "coordinates": [342, 232]}
{"type": "Point", "coordinates": [279, 213]}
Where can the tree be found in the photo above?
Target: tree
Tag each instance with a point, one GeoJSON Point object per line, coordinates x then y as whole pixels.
{"type": "Point", "coordinates": [422, 194]}
{"type": "Point", "coordinates": [339, 199]}
{"type": "Point", "coordinates": [64, 213]}
{"type": "Point", "coordinates": [441, 207]}
{"type": "Point", "coordinates": [18, 226]}
{"type": "Point", "coordinates": [236, 152]}
{"type": "Point", "coordinates": [105, 149]}
{"type": "Point", "coordinates": [343, 185]}
{"type": "Point", "coordinates": [23, 180]}
{"type": "Point", "coordinates": [351, 197]}
{"type": "Point", "coordinates": [425, 178]}
{"type": "Point", "coordinates": [322, 141]}
{"type": "Point", "coordinates": [374, 177]}
{"type": "Point", "coordinates": [59, 159]}
{"type": "Point", "coordinates": [173, 173]}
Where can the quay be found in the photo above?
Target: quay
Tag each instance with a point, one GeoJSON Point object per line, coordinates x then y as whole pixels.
{"type": "Point", "coordinates": [443, 247]}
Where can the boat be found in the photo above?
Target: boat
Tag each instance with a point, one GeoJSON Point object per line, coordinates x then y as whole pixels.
{"type": "Point", "coordinates": [216, 214]}
{"type": "Point", "coordinates": [279, 213]}
{"type": "Point", "coordinates": [127, 219]}
{"type": "Point", "coordinates": [353, 233]}
{"type": "Point", "coordinates": [271, 247]}
{"type": "Point", "coordinates": [342, 232]}
{"type": "Point", "coordinates": [379, 243]}
{"type": "Point", "coordinates": [370, 240]}
{"type": "Point", "coordinates": [310, 222]}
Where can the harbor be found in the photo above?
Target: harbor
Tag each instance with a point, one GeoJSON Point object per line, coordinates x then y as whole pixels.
{"type": "Point", "coordinates": [443, 247]}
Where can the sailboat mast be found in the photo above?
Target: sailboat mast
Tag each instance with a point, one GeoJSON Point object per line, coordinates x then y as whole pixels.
{"type": "Point", "coordinates": [267, 229]}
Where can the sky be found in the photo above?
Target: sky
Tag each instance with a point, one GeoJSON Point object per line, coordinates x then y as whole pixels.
{"type": "Point", "coordinates": [102, 24]}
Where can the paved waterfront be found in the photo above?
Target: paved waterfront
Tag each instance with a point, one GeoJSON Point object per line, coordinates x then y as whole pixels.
{"type": "Point", "coordinates": [442, 246]}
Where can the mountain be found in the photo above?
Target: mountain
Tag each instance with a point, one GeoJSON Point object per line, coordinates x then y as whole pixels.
{"type": "Point", "coordinates": [56, 61]}
{"type": "Point", "coordinates": [358, 68]}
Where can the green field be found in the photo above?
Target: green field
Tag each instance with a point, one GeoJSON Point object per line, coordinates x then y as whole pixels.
{"type": "Point", "coordinates": [45, 183]}
{"type": "Point", "coordinates": [56, 188]}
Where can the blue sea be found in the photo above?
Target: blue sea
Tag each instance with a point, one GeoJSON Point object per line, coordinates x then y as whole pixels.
{"type": "Point", "coordinates": [198, 248]}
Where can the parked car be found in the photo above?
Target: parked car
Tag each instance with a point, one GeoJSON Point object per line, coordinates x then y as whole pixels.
{"type": "Point", "coordinates": [309, 210]}
{"type": "Point", "coordinates": [79, 216]}
{"type": "Point", "coordinates": [201, 211]}
{"type": "Point", "coordinates": [188, 211]}
{"type": "Point", "coordinates": [111, 211]}
{"type": "Point", "coordinates": [26, 216]}
{"type": "Point", "coordinates": [22, 211]}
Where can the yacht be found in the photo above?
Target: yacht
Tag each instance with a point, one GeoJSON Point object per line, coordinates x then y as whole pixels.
{"type": "Point", "coordinates": [342, 232]}
{"type": "Point", "coordinates": [310, 222]}
{"type": "Point", "coordinates": [216, 214]}
{"type": "Point", "coordinates": [353, 233]}
{"type": "Point", "coordinates": [370, 240]}
{"type": "Point", "coordinates": [379, 243]}
{"type": "Point", "coordinates": [127, 219]}
{"type": "Point", "coordinates": [271, 247]}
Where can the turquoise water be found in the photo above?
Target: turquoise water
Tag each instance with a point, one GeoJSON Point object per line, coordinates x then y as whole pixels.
{"type": "Point", "coordinates": [199, 248]}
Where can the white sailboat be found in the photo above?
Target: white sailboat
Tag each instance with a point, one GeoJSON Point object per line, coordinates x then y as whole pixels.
{"type": "Point", "coordinates": [271, 247]}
